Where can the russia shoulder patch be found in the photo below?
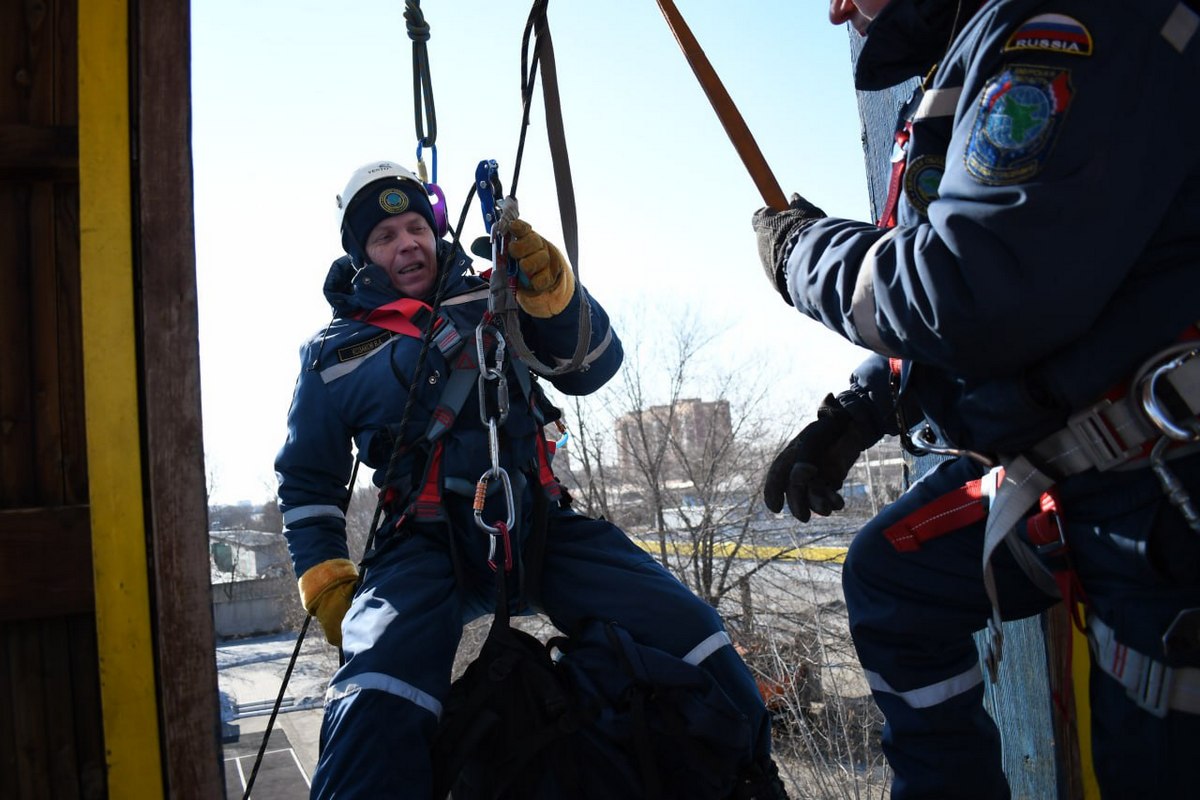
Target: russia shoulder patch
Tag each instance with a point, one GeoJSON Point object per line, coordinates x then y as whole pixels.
{"type": "Point", "coordinates": [1017, 122]}
{"type": "Point", "coordinates": [1056, 33]}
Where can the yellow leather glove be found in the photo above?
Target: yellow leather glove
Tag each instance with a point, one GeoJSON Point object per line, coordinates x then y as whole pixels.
{"type": "Point", "coordinates": [326, 591]}
{"type": "Point", "coordinates": [550, 280]}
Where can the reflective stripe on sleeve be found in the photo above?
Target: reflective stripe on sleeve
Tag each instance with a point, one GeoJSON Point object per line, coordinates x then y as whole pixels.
{"type": "Point", "coordinates": [377, 681]}
{"type": "Point", "coordinates": [862, 303]}
{"type": "Point", "coordinates": [1180, 27]}
{"type": "Point", "coordinates": [345, 367]}
{"type": "Point", "coordinates": [706, 648]}
{"type": "Point", "coordinates": [305, 512]}
{"type": "Point", "coordinates": [593, 354]}
{"type": "Point", "coordinates": [934, 693]}
{"type": "Point", "coordinates": [938, 103]}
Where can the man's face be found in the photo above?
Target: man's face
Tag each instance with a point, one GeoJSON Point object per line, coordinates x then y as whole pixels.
{"type": "Point", "coordinates": [858, 13]}
{"type": "Point", "coordinates": [404, 245]}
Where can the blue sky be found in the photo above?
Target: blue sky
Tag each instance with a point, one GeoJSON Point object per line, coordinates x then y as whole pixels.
{"type": "Point", "coordinates": [289, 97]}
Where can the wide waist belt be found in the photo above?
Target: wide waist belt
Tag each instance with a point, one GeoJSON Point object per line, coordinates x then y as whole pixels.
{"type": "Point", "coordinates": [1151, 684]}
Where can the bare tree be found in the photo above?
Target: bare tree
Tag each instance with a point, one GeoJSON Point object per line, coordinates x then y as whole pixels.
{"type": "Point", "coordinates": [586, 475]}
{"type": "Point", "coordinates": [676, 453]}
{"type": "Point", "coordinates": [688, 470]}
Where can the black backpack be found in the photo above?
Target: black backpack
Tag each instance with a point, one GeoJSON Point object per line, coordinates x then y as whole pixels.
{"type": "Point", "coordinates": [609, 718]}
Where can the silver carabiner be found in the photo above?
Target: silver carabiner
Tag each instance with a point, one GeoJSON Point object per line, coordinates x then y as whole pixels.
{"type": "Point", "coordinates": [1175, 490]}
{"type": "Point", "coordinates": [929, 445]}
{"type": "Point", "coordinates": [502, 403]}
{"type": "Point", "coordinates": [1188, 431]}
{"type": "Point", "coordinates": [481, 494]}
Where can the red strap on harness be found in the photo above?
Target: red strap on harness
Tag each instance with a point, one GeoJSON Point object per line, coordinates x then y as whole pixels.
{"type": "Point", "coordinates": [963, 506]}
{"type": "Point", "coordinates": [950, 512]}
{"type": "Point", "coordinates": [428, 505]}
{"type": "Point", "coordinates": [899, 158]}
{"type": "Point", "coordinates": [545, 449]}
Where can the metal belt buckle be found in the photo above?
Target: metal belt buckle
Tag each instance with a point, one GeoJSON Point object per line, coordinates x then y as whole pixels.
{"type": "Point", "coordinates": [1096, 437]}
{"type": "Point", "coordinates": [1056, 546]}
{"type": "Point", "coordinates": [1153, 692]}
{"type": "Point", "coordinates": [1179, 430]}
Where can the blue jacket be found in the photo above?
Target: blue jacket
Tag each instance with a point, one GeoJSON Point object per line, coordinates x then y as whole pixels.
{"type": "Point", "coordinates": [1048, 235]}
{"type": "Point", "coordinates": [353, 384]}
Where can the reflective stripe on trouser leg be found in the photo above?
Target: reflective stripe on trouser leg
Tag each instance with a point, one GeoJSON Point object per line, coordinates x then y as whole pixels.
{"type": "Point", "coordinates": [934, 693]}
{"type": "Point", "coordinates": [399, 638]}
{"type": "Point", "coordinates": [912, 615]}
{"type": "Point", "coordinates": [592, 570]}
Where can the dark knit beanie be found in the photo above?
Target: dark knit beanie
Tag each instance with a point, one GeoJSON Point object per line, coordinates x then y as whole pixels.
{"type": "Point", "coordinates": [375, 202]}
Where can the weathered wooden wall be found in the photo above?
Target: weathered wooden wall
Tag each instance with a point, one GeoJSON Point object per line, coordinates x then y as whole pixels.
{"type": "Point", "coordinates": [53, 740]}
{"type": "Point", "coordinates": [168, 324]}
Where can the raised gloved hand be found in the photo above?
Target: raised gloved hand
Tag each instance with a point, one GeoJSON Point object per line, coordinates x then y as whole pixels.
{"type": "Point", "coordinates": [810, 470]}
{"type": "Point", "coordinates": [777, 232]}
{"type": "Point", "coordinates": [326, 590]}
{"type": "Point", "coordinates": [547, 283]}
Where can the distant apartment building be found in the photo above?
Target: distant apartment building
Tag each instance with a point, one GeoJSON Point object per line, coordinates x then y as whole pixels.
{"type": "Point", "coordinates": [688, 427]}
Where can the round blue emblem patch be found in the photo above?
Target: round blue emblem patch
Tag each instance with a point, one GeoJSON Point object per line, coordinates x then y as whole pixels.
{"type": "Point", "coordinates": [922, 179]}
{"type": "Point", "coordinates": [393, 201]}
{"type": "Point", "coordinates": [1019, 115]}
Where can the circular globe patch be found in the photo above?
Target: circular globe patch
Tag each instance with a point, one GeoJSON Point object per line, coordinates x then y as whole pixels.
{"type": "Point", "coordinates": [393, 201]}
{"type": "Point", "coordinates": [1017, 121]}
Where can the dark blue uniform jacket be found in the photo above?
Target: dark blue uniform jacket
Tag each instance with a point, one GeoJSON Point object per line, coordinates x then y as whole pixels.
{"type": "Point", "coordinates": [354, 382]}
{"type": "Point", "coordinates": [1048, 235]}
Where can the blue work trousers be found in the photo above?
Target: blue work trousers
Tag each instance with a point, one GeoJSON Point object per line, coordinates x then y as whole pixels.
{"type": "Point", "coordinates": [912, 616]}
{"type": "Point", "coordinates": [403, 629]}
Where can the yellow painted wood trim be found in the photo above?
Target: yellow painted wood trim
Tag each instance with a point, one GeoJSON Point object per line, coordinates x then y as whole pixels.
{"type": "Point", "coordinates": [110, 376]}
{"type": "Point", "coordinates": [1081, 661]}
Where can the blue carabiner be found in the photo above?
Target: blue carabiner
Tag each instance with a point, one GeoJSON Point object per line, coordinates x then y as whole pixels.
{"type": "Point", "coordinates": [487, 184]}
{"type": "Point", "coordinates": [433, 150]}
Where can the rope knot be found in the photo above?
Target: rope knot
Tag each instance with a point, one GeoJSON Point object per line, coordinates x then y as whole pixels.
{"type": "Point", "coordinates": [414, 18]}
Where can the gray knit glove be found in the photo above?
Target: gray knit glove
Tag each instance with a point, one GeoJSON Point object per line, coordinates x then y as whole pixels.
{"type": "Point", "coordinates": [777, 233]}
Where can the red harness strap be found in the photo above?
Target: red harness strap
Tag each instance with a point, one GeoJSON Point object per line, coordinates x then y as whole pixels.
{"type": "Point", "coordinates": [950, 512]}
{"type": "Point", "coordinates": [887, 219]}
{"type": "Point", "coordinates": [968, 504]}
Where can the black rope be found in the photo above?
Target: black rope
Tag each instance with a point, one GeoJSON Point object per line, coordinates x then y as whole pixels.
{"type": "Point", "coordinates": [262, 748]}
{"type": "Point", "coordinates": [287, 675]}
{"type": "Point", "coordinates": [418, 31]}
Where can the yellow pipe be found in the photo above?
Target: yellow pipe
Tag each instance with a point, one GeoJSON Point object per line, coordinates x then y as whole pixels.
{"type": "Point", "coordinates": [110, 376]}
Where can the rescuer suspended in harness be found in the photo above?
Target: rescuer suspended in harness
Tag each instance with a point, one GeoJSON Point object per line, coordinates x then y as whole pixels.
{"type": "Point", "coordinates": [467, 486]}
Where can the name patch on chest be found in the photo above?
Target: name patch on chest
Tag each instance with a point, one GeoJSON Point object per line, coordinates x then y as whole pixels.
{"type": "Point", "coordinates": [1017, 122]}
{"type": "Point", "coordinates": [1056, 33]}
{"type": "Point", "coordinates": [353, 351]}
